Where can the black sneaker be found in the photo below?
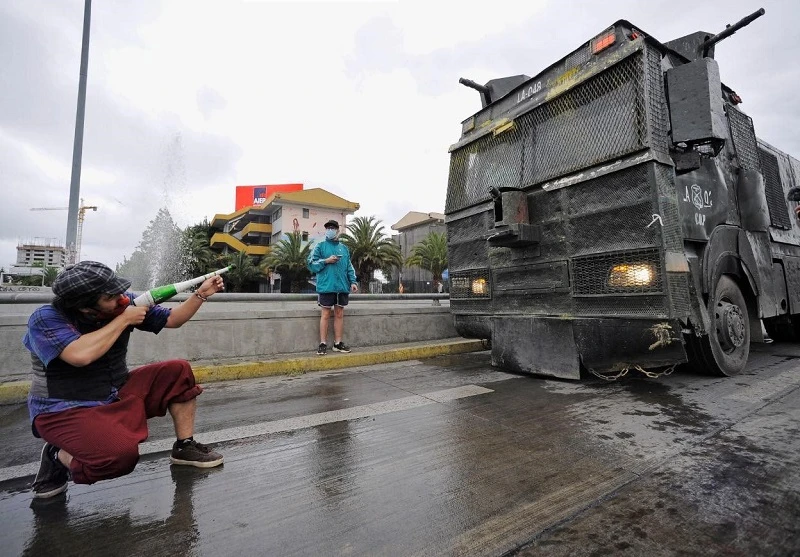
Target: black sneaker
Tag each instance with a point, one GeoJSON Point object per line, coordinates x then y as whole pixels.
{"type": "Point", "coordinates": [52, 477]}
{"type": "Point", "coordinates": [194, 454]}
{"type": "Point", "coordinates": [341, 347]}
{"type": "Point", "coordinates": [323, 349]}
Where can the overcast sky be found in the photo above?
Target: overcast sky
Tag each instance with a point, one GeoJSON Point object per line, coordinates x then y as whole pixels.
{"type": "Point", "coordinates": [187, 99]}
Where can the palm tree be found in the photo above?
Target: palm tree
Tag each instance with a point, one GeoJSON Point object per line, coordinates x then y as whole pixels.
{"type": "Point", "coordinates": [49, 275]}
{"type": "Point", "coordinates": [430, 254]}
{"type": "Point", "coordinates": [46, 278]}
{"type": "Point", "coordinates": [198, 257]}
{"type": "Point", "coordinates": [243, 273]}
{"type": "Point", "coordinates": [370, 249]}
{"type": "Point", "coordinates": [289, 257]}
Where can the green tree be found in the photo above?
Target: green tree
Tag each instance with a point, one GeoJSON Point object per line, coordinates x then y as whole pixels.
{"type": "Point", "coordinates": [430, 254]}
{"type": "Point", "coordinates": [196, 254]}
{"type": "Point", "coordinates": [370, 249]}
{"type": "Point", "coordinates": [243, 274]}
{"type": "Point", "coordinates": [289, 258]}
{"type": "Point", "coordinates": [46, 278]}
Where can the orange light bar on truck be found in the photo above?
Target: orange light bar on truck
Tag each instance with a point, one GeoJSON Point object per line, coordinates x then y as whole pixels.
{"type": "Point", "coordinates": [603, 40]}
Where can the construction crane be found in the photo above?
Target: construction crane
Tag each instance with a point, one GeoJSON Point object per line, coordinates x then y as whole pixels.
{"type": "Point", "coordinates": [81, 214]}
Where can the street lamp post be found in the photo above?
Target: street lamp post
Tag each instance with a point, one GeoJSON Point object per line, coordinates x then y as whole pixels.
{"type": "Point", "coordinates": [77, 148]}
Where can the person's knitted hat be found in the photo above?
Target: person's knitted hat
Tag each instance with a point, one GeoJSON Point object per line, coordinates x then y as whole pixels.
{"type": "Point", "coordinates": [332, 224]}
{"type": "Point", "coordinates": [80, 284]}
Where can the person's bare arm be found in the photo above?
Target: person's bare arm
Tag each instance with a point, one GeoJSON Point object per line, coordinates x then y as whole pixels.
{"type": "Point", "coordinates": [181, 314]}
{"type": "Point", "coordinates": [91, 346]}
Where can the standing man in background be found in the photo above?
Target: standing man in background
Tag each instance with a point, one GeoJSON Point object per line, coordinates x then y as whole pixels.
{"type": "Point", "coordinates": [336, 278]}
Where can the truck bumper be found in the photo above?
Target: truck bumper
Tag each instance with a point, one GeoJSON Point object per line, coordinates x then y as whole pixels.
{"type": "Point", "coordinates": [557, 347]}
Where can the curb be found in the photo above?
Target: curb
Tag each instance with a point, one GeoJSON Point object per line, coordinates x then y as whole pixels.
{"type": "Point", "coordinates": [300, 365]}
{"type": "Point", "coordinates": [16, 392]}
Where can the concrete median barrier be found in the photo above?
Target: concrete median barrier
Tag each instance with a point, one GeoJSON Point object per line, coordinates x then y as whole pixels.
{"type": "Point", "coordinates": [254, 338]}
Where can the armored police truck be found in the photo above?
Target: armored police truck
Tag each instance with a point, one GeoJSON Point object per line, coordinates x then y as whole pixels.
{"type": "Point", "coordinates": [618, 212]}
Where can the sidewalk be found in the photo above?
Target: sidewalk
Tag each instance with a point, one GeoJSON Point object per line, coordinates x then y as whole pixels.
{"type": "Point", "coordinates": [15, 392]}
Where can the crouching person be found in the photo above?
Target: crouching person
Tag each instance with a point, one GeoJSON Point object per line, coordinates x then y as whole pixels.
{"type": "Point", "coordinates": [88, 407]}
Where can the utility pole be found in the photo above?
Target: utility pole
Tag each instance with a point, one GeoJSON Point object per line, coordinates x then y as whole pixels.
{"type": "Point", "coordinates": [77, 149]}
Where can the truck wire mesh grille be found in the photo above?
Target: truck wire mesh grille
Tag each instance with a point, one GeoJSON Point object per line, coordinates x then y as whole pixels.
{"type": "Point", "coordinates": [679, 293]}
{"type": "Point", "coordinates": [658, 110]}
{"type": "Point", "coordinates": [618, 306]}
{"type": "Point", "coordinates": [744, 139]}
{"type": "Point", "coordinates": [461, 284]}
{"type": "Point", "coordinates": [778, 212]}
{"type": "Point", "coordinates": [611, 213]}
{"type": "Point", "coordinates": [630, 272]}
{"type": "Point", "coordinates": [602, 118]}
{"type": "Point", "coordinates": [670, 224]}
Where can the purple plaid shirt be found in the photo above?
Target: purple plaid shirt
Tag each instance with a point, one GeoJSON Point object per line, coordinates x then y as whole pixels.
{"type": "Point", "coordinates": [50, 332]}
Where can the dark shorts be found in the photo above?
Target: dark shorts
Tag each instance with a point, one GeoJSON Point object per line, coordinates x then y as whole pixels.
{"type": "Point", "coordinates": [330, 299]}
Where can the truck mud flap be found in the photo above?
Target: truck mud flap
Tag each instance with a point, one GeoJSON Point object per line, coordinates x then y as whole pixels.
{"type": "Point", "coordinates": [539, 346]}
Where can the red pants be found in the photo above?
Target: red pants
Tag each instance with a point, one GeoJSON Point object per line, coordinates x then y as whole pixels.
{"type": "Point", "coordinates": [104, 440]}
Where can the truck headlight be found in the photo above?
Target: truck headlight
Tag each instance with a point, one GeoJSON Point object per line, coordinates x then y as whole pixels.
{"type": "Point", "coordinates": [631, 275]}
{"type": "Point", "coordinates": [480, 287]}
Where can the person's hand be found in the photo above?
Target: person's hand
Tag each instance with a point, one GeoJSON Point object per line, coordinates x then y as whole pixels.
{"type": "Point", "coordinates": [134, 315]}
{"type": "Point", "coordinates": [332, 259]}
{"type": "Point", "coordinates": [211, 286]}
{"type": "Point", "coordinates": [353, 288]}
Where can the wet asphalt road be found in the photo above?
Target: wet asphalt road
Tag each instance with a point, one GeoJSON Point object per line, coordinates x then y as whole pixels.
{"type": "Point", "coordinates": [447, 456]}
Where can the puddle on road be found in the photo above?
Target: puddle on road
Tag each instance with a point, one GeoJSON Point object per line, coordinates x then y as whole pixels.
{"type": "Point", "coordinates": [155, 517]}
{"type": "Point", "coordinates": [640, 418]}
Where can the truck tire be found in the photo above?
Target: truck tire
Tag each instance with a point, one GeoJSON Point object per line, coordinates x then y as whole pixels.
{"type": "Point", "coordinates": [725, 349]}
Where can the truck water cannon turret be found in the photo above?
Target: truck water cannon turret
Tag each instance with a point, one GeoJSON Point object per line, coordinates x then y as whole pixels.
{"type": "Point", "coordinates": [697, 112]}
{"type": "Point", "coordinates": [730, 30]}
{"type": "Point", "coordinates": [482, 89]}
{"type": "Point", "coordinates": [495, 89]}
{"type": "Point", "coordinates": [701, 44]}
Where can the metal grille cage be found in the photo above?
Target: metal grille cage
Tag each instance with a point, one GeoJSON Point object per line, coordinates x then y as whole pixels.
{"type": "Point", "coordinates": [463, 284]}
{"type": "Point", "coordinates": [659, 118]}
{"type": "Point", "coordinates": [631, 272]}
{"type": "Point", "coordinates": [636, 306]}
{"type": "Point", "coordinates": [670, 224]}
{"type": "Point", "coordinates": [778, 212]}
{"type": "Point", "coordinates": [466, 243]}
{"type": "Point", "coordinates": [600, 232]}
{"type": "Point", "coordinates": [611, 213]}
{"type": "Point", "coordinates": [464, 230]}
{"type": "Point", "coordinates": [577, 58]}
{"type": "Point", "coordinates": [600, 119]}
{"type": "Point", "coordinates": [679, 293]}
{"type": "Point", "coordinates": [744, 139]}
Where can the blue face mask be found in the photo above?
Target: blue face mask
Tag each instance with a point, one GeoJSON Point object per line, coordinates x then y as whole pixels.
{"type": "Point", "coordinates": [330, 233]}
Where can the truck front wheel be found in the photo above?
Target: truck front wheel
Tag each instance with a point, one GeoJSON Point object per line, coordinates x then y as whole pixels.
{"type": "Point", "coordinates": [725, 349]}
